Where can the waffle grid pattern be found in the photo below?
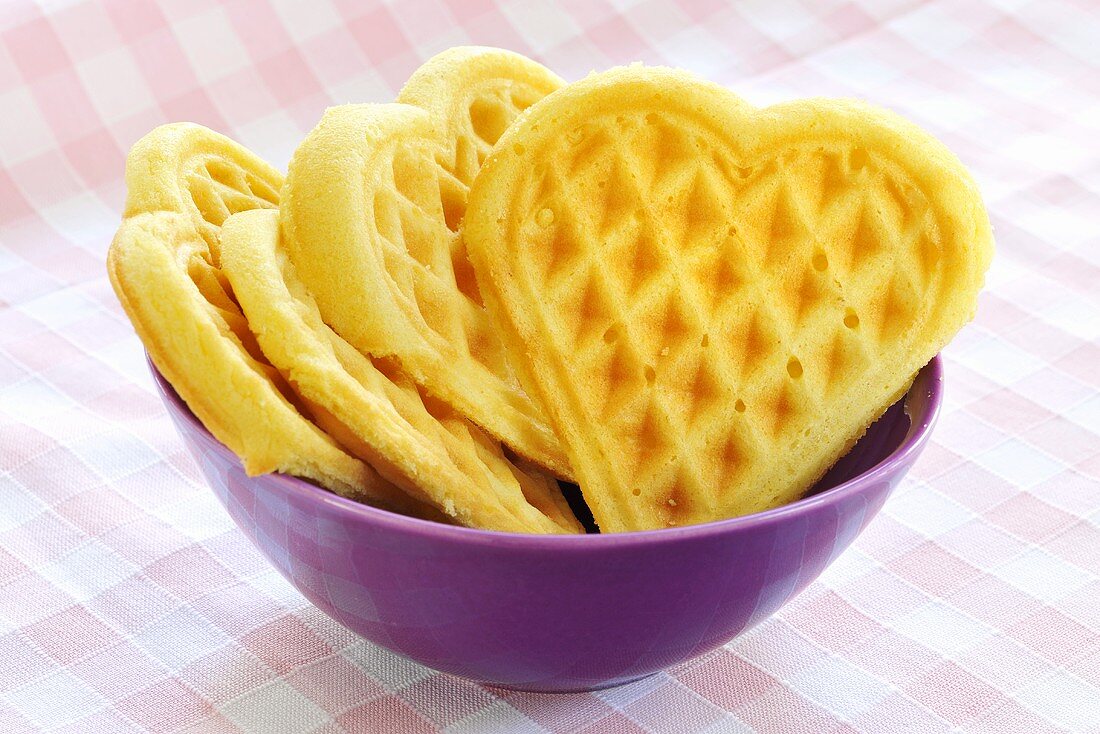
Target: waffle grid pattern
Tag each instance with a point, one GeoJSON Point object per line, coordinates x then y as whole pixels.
{"type": "Point", "coordinates": [647, 340]}
{"type": "Point", "coordinates": [129, 601]}
{"type": "Point", "coordinates": [219, 187]}
{"type": "Point", "coordinates": [492, 109]}
{"type": "Point", "coordinates": [412, 230]}
{"type": "Point", "coordinates": [437, 285]}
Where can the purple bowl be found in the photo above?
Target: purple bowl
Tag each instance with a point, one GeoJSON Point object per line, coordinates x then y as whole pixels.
{"type": "Point", "coordinates": [558, 613]}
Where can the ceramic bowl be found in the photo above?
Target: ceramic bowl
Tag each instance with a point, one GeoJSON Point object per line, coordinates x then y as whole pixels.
{"type": "Point", "coordinates": [558, 613]}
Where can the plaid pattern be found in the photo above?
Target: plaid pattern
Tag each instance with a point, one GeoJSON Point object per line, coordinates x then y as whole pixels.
{"type": "Point", "coordinates": [129, 602]}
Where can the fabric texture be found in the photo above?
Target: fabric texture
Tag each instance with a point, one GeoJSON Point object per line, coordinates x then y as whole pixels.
{"type": "Point", "coordinates": [129, 601]}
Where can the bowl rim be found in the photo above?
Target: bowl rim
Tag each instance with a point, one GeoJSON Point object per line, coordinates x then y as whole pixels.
{"type": "Point", "coordinates": [929, 378]}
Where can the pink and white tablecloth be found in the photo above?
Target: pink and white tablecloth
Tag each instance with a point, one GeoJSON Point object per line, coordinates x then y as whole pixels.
{"type": "Point", "coordinates": [128, 600]}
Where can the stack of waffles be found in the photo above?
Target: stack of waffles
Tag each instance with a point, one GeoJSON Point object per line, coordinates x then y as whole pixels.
{"type": "Point", "coordinates": [638, 283]}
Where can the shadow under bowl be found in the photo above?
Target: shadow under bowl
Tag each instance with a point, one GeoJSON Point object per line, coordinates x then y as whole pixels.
{"type": "Point", "coordinates": [558, 613]}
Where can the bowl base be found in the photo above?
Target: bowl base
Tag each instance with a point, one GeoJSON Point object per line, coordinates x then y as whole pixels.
{"type": "Point", "coordinates": [565, 690]}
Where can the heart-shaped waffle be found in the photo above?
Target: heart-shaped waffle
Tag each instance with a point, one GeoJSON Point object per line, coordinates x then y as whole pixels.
{"type": "Point", "coordinates": [714, 301]}
{"type": "Point", "coordinates": [415, 441]}
{"type": "Point", "coordinates": [370, 209]}
{"type": "Point", "coordinates": [183, 181]}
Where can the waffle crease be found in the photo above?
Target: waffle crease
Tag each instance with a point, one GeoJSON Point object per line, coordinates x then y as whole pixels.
{"type": "Point", "coordinates": [714, 301]}
{"type": "Point", "coordinates": [414, 440]}
{"type": "Point", "coordinates": [183, 181]}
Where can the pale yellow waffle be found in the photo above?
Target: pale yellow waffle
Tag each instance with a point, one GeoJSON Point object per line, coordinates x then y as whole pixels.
{"type": "Point", "coordinates": [372, 201]}
{"type": "Point", "coordinates": [192, 170]}
{"type": "Point", "coordinates": [183, 180]}
{"type": "Point", "coordinates": [473, 94]}
{"type": "Point", "coordinates": [714, 301]}
{"type": "Point", "coordinates": [197, 337]}
{"type": "Point", "coordinates": [418, 442]}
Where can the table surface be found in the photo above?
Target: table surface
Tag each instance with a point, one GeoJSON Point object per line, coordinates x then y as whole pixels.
{"type": "Point", "coordinates": [128, 600]}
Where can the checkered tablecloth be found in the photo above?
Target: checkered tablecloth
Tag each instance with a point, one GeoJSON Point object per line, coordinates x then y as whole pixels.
{"type": "Point", "coordinates": [128, 600]}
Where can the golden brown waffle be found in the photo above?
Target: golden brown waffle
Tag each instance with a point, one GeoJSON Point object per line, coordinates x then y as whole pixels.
{"type": "Point", "coordinates": [364, 217]}
{"type": "Point", "coordinates": [183, 181]}
{"type": "Point", "coordinates": [713, 302]}
{"type": "Point", "coordinates": [416, 441]}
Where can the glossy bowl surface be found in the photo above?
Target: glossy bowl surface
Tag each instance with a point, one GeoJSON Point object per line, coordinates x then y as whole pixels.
{"type": "Point", "coordinates": [558, 613]}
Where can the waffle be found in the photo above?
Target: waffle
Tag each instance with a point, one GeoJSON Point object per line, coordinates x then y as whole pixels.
{"type": "Point", "coordinates": [417, 442]}
{"type": "Point", "coordinates": [714, 301]}
{"type": "Point", "coordinates": [183, 181]}
{"type": "Point", "coordinates": [473, 93]}
{"type": "Point", "coordinates": [365, 218]}
{"type": "Point", "coordinates": [192, 170]}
